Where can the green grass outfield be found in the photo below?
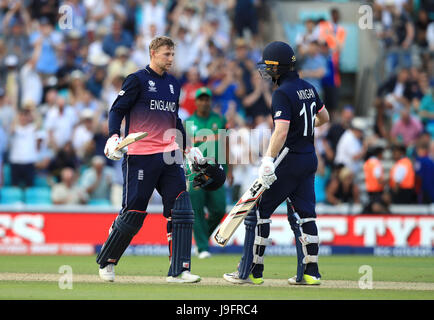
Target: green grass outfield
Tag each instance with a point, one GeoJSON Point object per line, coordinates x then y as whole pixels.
{"type": "Point", "coordinates": [143, 277]}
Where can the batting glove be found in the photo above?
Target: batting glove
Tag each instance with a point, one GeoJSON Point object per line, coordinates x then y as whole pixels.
{"type": "Point", "coordinates": [266, 172]}
{"type": "Point", "coordinates": [194, 157]}
{"type": "Point", "coordinates": [110, 146]}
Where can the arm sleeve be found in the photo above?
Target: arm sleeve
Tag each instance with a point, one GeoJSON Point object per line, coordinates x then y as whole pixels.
{"type": "Point", "coordinates": [319, 104]}
{"type": "Point", "coordinates": [123, 103]}
{"type": "Point", "coordinates": [280, 107]}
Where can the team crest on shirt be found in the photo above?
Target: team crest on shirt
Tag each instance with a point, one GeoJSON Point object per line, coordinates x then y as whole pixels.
{"type": "Point", "coordinates": [152, 87]}
{"type": "Point", "coordinates": [172, 91]}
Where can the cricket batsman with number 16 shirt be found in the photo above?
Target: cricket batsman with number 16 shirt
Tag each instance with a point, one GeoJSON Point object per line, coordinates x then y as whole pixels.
{"type": "Point", "coordinates": [297, 110]}
{"type": "Point", "coordinates": [149, 102]}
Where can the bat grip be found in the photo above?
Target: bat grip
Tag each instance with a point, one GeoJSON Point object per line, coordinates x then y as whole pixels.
{"type": "Point", "coordinates": [281, 156]}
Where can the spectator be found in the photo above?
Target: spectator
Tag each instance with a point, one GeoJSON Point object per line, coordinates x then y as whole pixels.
{"type": "Point", "coordinates": [257, 103]}
{"type": "Point", "coordinates": [398, 36]}
{"type": "Point", "coordinates": [67, 191]}
{"type": "Point", "coordinates": [45, 8]}
{"type": "Point", "coordinates": [390, 101]}
{"type": "Point", "coordinates": [407, 129]}
{"type": "Point", "coordinates": [95, 48]}
{"type": "Point", "coordinates": [44, 155]}
{"type": "Point", "coordinates": [97, 179]}
{"type": "Point", "coordinates": [7, 112]}
{"type": "Point", "coordinates": [23, 148]}
{"type": "Point", "coordinates": [303, 39]}
{"type": "Point", "coordinates": [424, 169]}
{"type": "Point", "coordinates": [245, 18]}
{"type": "Point", "coordinates": [421, 26]}
{"type": "Point", "coordinates": [219, 9]}
{"type": "Point", "coordinates": [66, 69]}
{"type": "Point", "coordinates": [76, 88]}
{"type": "Point", "coordinates": [50, 101]}
{"type": "Point", "coordinates": [95, 84]}
{"type": "Point", "coordinates": [431, 150]}
{"type": "Point", "coordinates": [82, 136]}
{"type": "Point", "coordinates": [16, 29]}
{"type": "Point", "coordinates": [337, 129]}
{"type": "Point", "coordinates": [118, 37]}
{"type": "Point", "coordinates": [227, 86]}
{"type": "Point", "coordinates": [402, 177]}
{"type": "Point", "coordinates": [375, 181]}
{"type": "Point", "coordinates": [430, 36]}
{"type": "Point", "coordinates": [332, 33]}
{"type": "Point", "coordinates": [110, 92]}
{"type": "Point", "coordinates": [121, 65]}
{"type": "Point", "coordinates": [153, 12]}
{"type": "Point", "coordinates": [244, 62]}
{"type": "Point", "coordinates": [188, 91]}
{"type": "Point", "coordinates": [30, 81]}
{"type": "Point", "coordinates": [351, 149]}
{"type": "Point", "coordinates": [187, 50]}
{"type": "Point", "coordinates": [51, 41]}
{"type": "Point", "coordinates": [80, 14]}
{"type": "Point", "coordinates": [100, 138]}
{"type": "Point", "coordinates": [186, 16]}
{"type": "Point", "coordinates": [59, 122]}
{"type": "Point", "coordinates": [314, 67]}
{"type": "Point", "coordinates": [426, 111]}
{"type": "Point", "coordinates": [12, 80]}
{"type": "Point", "coordinates": [104, 13]}
{"type": "Point", "coordinates": [64, 157]}
{"type": "Point", "coordinates": [342, 188]}
{"type": "Point", "coordinates": [140, 54]}
{"type": "Point", "coordinates": [330, 90]}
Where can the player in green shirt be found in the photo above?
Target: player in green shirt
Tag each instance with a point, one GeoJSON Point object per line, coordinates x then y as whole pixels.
{"type": "Point", "coordinates": [206, 130]}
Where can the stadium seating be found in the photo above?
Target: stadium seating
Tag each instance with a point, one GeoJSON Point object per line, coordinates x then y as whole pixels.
{"type": "Point", "coordinates": [7, 178]}
{"type": "Point", "coordinates": [11, 195]}
{"type": "Point", "coordinates": [41, 181]}
{"type": "Point", "coordinates": [99, 202]}
{"type": "Point", "coordinates": [37, 195]}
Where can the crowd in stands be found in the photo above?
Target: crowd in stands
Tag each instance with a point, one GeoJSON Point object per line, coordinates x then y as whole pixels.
{"type": "Point", "coordinates": [58, 81]}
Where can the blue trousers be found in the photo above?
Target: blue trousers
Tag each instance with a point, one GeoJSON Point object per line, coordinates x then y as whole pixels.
{"type": "Point", "coordinates": [144, 173]}
{"type": "Point", "coordinates": [295, 179]}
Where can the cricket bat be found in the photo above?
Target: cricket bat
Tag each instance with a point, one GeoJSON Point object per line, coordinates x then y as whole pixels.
{"type": "Point", "coordinates": [131, 138]}
{"type": "Point", "coordinates": [242, 208]}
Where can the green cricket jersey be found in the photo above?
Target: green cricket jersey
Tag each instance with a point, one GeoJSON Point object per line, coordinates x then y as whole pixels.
{"type": "Point", "coordinates": [204, 134]}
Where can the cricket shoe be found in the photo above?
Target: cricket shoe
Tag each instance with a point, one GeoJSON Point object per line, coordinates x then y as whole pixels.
{"type": "Point", "coordinates": [204, 255]}
{"type": "Point", "coordinates": [307, 280]}
{"type": "Point", "coordinates": [184, 277]}
{"type": "Point", "coordinates": [234, 277]}
{"type": "Point", "coordinates": [107, 273]}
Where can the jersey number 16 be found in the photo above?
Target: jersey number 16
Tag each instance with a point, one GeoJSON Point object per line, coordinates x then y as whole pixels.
{"type": "Point", "coordinates": [304, 112]}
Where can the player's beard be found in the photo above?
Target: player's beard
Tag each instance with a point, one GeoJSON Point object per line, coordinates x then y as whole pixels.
{"type": "Point", "coordinates": [165, 66]}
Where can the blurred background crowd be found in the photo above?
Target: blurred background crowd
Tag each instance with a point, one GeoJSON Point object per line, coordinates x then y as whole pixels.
{"type": "Point", "coordinates": [59, 77]}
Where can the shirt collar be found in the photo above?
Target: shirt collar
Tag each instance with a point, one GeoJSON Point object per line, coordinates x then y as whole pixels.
{"type": "Point", "coordinates": [153, 73]}
{"type": "Point", "coordinates": [289, 76]}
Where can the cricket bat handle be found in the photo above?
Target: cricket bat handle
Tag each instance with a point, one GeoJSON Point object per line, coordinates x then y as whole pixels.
{"type": "Point", "coordinates": [223, 240]}
{"type": "Point", "coordinates": [281, 156]}
{"type": "Point", "coordinates": [131, 138]}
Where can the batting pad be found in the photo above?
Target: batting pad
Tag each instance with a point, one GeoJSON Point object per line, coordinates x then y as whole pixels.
{"type": "Point", "coordinates": [124, 228]}
{"type": "Point", "coordinates": [245, 266]}
{"type": "Point", "coordinates": [182, 233]}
